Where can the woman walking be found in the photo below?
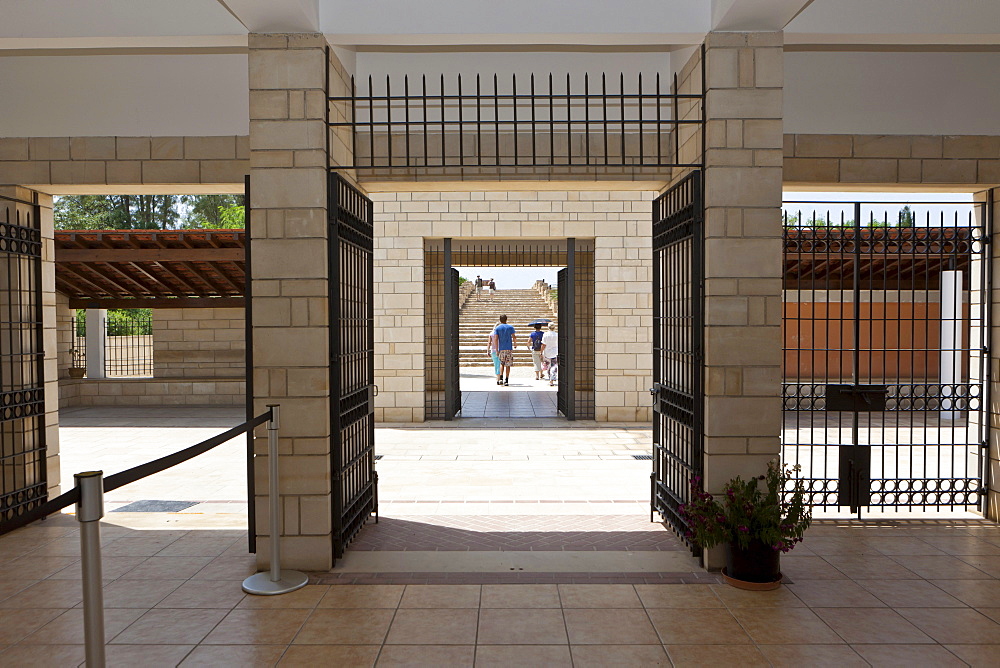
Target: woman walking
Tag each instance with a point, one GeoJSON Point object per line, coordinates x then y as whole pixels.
{"type": "Point", "coordinates": [550, 353]}
{"type": "Point", "coordinates": [493, 346]}
{"type": "Point", "coordinates": [535, 346]}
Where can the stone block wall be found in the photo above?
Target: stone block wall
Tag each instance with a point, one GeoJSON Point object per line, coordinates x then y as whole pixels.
{"type": "Point", "coordinates": [199, 343]}
{"type": "Point", "coordinates": [617, 220]}
{"type": "Point", "coordinates": [892, 160]}
{"type": "Point", "coordinates": [124, 161]}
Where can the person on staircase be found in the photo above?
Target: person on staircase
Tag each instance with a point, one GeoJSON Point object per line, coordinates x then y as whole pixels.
{"type": "Point", "coordinates": [494, 352]}
{"type": "Point", "coordinates": [493, 288]}
{"type": "Point", "coordinates": [535, 346]}
{"type": "Point", "coordinates": [479, 286]}
{"type": "Point", "coordinates": [506, 342]}
{"type": "Point", "coordinates": [550, 353]}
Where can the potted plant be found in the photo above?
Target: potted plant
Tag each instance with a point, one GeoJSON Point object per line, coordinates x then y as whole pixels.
{"type": "Point", "coordinates": [757, 520]}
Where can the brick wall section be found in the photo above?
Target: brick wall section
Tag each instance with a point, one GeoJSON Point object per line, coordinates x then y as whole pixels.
{"type": "Point", "coordinates": [743, 254]}
{"type": "Point", "coordinates": [892, 159]}
{"type": "Point", "coordinates": [199, 343]}
{"type": "Point", "coordinates": [123, 160]}
{"type": "Point", "coordinates": [618, 221]}
{"type": "Point", "coordinates": [288, 174]}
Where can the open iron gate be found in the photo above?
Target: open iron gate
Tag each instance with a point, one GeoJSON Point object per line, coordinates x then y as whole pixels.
{"type": "Point", "coordinates": [453, 379]}
{"type": "Point", "coordinates": [886, 324]}
{"type": "Point", "coordinates": [564, 381]}
{"type": "Point", "coordinates": [677, 347]}
{"type": "Point", "coordinates": [352, 361]}
{"type": "Point", "coordinates": [23, 483]}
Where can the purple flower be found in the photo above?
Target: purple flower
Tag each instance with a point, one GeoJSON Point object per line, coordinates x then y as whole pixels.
{"type": "Point", "coordinates": [744, 529]}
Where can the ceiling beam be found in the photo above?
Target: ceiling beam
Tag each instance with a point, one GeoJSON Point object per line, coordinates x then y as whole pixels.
{"type": "Point", "coordinates": [159, 302]}
{"type": "Point", "coordinates": [149, 254]}
{"type": "Point", "coordinates": [755, 15]}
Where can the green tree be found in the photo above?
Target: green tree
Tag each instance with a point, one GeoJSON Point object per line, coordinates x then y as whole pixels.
{"type": "Point", "coordinates": [906, 217]}
{"type": "Point", "coordinates": [213, 212]}
{"type": "Point", "coordinates": [116, 212]}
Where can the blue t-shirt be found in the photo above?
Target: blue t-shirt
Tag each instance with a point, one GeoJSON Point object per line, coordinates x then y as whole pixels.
{"type": "Point", "coordinates": [536, 340]}
{"type": "Point", "coordinates": [505, 334]}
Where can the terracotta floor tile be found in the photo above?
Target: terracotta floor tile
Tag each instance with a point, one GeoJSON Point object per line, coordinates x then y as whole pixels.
{"type": "Point", "coordinates": [609, 627]}
{"type": "Point", "coordinates": [141, 546]}
{"type": "Point", "coordinates": [875, 626]}
{"type": "Point", "coordinates": [233, 656]}
{"type": "Point", "coordinates": [308, 597]}
{"type": "Point", "coordinates": [205, 594]}
{"type": "Point", "coordinates": [834, 594]}
{"type": "Point", "coordinates": [598, 596]}
{"type": "Point", "coordinates": [10, 587]}
{"type": "Point", "coordinates": [439, 656]}
{"type": "Point", "coordinates": [521, 627]}
{"type": "Point", "coordinates": [992, 613]}
{"type": "Point", "coordinates": [697, 626]}
{"type": "Point", "coordinates": [989, 564]}
{"type": "Point", "coordinates": [138, 593]}
{"type": "Point", "coordinates": [433, 627]}
{"type": "Point", "coordinates": [954, 625]}
{"type": "Point", "coordinates": [800, 568]}
{"type": "Point", "coordinates": [520, 596]}
{"type": "Point", "coordinates": [16, 624]}
{"type": "Point", "coordinates": [872, 567]}
{"type": "Point", "coordinates": [941, 568]}
{"type": "Point", "coordinates": [963, 545]}
{"type": "Point", "coordinates": [903, 545]}
{"type": "Point", "coordinates": [111, 568]}
{"type": "Point", "coordinates": [360, 596]}
{"type": "Point", "coordinates": [600, 656]}
{"type": "Point", "coordinates": [890, 656]}
{"type": "Point", "coordinates": [46, 594]}
{"type": "Point", "coordinates": [814, 656]}
{"type": "Point", "coordinates": [345, 627]}
{"type": "Point", "coordinates": [147, 656]}
{"type": "Point", "coordinates": [785, 626]}
{"type": "Point", "coordinates": [198, 546]}
{"type": "Point", "coordinates": [441, 596]}
{"type": "Point", "coordinates": [34, 568]}
{"type": "Point", "coordinates": [910, 594]}
{"type": "Point", "coordinates": [678, 596]}
{"type": "Point", "coordinates": [167, 568]}
{"type": "Point", "coordinates": [67, 628]}
{"type": "Point", "coordinates": [170, 627]}
{"type": "Point", "coordinates": [739, 598]}
{"type": "Point", "coordinates": [311, 656]}
{"type": "Point", "coordinates": [257, 627]}
{"type": "Point", "coordinates": [713, 656]}
{"type": "Point", "coordinates": [977, 593]}
{"type": "Point", "coordinates": [977, 656]}
{"type": "Point", "coordinates": [227, 568]}
{"type": "Point", "coordinates": [43, 655]}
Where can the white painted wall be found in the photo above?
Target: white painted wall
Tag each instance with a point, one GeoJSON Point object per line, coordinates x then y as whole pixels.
{"type": "Point", "coordinates": [887, 18]}
{"type": "Point", "coordinates": [892, 93]}
{"type": "Point", "coordinates": [521, 21]}
{"type": "Point", "coordinates": [124, 95]}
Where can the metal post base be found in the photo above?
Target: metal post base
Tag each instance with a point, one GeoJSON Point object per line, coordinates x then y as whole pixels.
{"type": "Point", "coordinates": [261, 584]}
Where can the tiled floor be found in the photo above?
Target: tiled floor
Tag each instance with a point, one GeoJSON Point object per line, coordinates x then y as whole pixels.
{"type": "Point", "coordinates": [883, 594]}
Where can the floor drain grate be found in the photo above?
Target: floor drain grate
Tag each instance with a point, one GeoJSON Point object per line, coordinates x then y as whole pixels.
{"type": "Point", "coordinates": [155, 506]}
{"type": "Point", "coordinates": [642, 456]}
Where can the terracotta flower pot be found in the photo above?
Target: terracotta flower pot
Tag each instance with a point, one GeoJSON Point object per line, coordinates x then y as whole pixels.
{"type": "Point", "coordinates": [77, 372]}
{"type": "Point", "coordinates": [757, 564]}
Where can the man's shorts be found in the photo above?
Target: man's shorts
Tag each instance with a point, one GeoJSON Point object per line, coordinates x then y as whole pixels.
{"type": "Point", "coordinates": [507, 357]}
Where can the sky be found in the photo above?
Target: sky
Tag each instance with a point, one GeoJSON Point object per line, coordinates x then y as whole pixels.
{"type": "Point", "coordinates": [510, 278]}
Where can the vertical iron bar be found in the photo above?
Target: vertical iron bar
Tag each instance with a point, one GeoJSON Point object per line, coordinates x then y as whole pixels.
{"type": "Point", "coordinates": [479, 124]}
{"type": "Point", "coordinates": [450, 304]}
{"type": "Point", "coordinates": [406, 115]}
{"type": "Point", "coordinates": [659, 121]}
{"type": "Point", "coordinates": [677, 125]}
{"type": "Point", "coordinates": [513, 98]}
{"type": "Point", "coordinates": [354, 118]}
{"type": "Point", "coordinates": [604, 112]}
{"type": "Point", "coordinates": [642, 132]}
{"type": "Point", "coordinates": [534, 152]}
{"type": "Point", "coordinates": [621, 91]}
{"type": "Point", "coordinates": [496, 118]}
{"type": "Point", "coordinates": [425, 124]}
{"type": "Point", "coordinates": [461, 102]}
{"type": "Point", "coordinates": [444, 130]}
{"type": "Point", "coordinates": [371, 123]}
{"type": "Point", "coordinates": [586, 114]}
{"type": "Point", "coordinates": [388, 118]}
{"type": "Point", "coordinates": [569, 370]}
{"type": "Point", "coordinates": [552, 127]}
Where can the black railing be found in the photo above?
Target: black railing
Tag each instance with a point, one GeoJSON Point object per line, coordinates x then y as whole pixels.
{"type": "Point", "coordinates": [128, 343]}
{"type": "Point", "coordinates": [133, 474]}
{"type": "Point", "coordinates": [541, 122]}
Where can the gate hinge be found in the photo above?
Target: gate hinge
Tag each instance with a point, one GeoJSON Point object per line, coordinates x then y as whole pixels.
{"type": "Point", "coordinates": [986, 351]}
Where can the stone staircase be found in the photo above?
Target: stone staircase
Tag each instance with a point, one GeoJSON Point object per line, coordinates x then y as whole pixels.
{"type": "Point", "coordinates": [477, 319]}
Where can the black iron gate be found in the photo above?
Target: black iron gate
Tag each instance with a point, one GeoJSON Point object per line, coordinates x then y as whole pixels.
{"type": "Point", "coordinates": [567, 324]}
{"type": "Point", "coordinates": [886, 321]}
{"type": "Point", "coordinates": [352, 361]}
{"type": "Point", "coordinates": [453, 389]}
{"type": "Point", "coordinates": [23, 482]}
{"type": "Point", "coordinates": [677, 347]}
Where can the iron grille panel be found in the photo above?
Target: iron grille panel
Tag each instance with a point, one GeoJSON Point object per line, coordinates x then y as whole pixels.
{"type": "Point", "coordinates": [23, 482]}
{"type": "Point", "coordinates": [677, 348]}
{"type": "Point", "coordinates": [551, 122]}
{"type": "Point", "coordinates": [565, 304]}
{"type": "Point", "coordinates": [352, 361]}
{"type": "Point", "coordinates": [887, 295]}
{"type": "Point", "coordinates": [128, 348]}
{"type": "Point", "coordinates": [454, 398]}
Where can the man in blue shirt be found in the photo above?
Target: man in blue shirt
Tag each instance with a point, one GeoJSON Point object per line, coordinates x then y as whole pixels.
{"type": "Point", "coordinates": [506, 342]}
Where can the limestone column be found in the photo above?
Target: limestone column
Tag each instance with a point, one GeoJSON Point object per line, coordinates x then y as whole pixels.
{"type": "Point", "coordinates": [288, 228]}
{"type": "Point", "coordinates": [743, 255]}
{"type": "Point", "coordinates": [96, 338]}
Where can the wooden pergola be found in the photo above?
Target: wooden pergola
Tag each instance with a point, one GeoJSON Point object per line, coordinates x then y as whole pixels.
{"type": "Point", "coordinates": [151, 268]}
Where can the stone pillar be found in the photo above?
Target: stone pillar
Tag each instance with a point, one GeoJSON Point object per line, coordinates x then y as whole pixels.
{"type": "Point", "coordinates": [288, 228]}
{"type": "Point", "coordinates": [50, 342]}
{"type": "Point", "coordinates": [743, 255]}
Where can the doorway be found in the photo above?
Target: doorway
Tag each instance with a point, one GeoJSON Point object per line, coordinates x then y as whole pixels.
{"type": "Point", "coordinates": [457, 383]}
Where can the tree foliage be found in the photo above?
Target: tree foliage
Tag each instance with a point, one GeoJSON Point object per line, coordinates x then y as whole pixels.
{"type": "Point", "coordinates": [149, 212]}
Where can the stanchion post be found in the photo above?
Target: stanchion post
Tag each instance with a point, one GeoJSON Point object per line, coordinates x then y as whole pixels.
{"type": "Point", "coordinates": [89, 511]}
{"type": "Point", "coordinates": [276, 581]}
